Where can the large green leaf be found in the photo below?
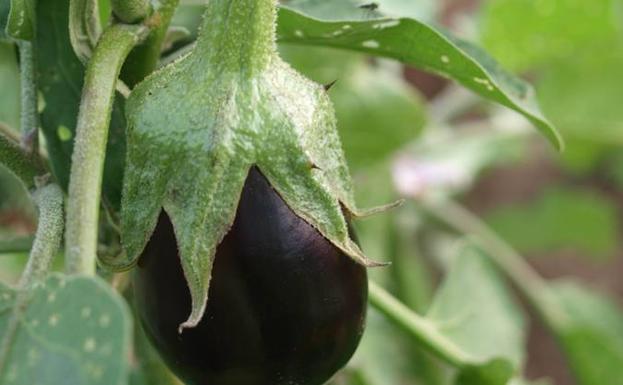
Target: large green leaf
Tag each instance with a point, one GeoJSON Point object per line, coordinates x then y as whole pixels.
{"type": "Point", "coordinates": [582, 95]}
{"type": "Point", "coordinates": [592, 336]}
{"type": "Point", "coordinates": [349, 9]}
{"type": "Point", "coordinates": [575, 47]}
{"type": "Point", "coordinates": [74, 331]}
{"type": "Point", "coordinates": [60, 76]}
{"type": "Point", "coordinates": [474, 309]}
{"type": "Point", "coordinates": [557, 29]}
{"type": "Point", "coordinates": [415, 43]}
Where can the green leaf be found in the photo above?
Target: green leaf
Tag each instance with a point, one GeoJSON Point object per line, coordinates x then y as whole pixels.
{"type": "Point", "coordinates": [560, 219]}
{"type": "Point", "coordinates": [74, 331]}
{"type": "Point", "coordinates": [593, 335]}
{"type": "Point", "coordinates": [353, 10]}
{"type": "Point", "coordinates": [557, 30]}
{"type": "Point", "coordinates": [474, 309]}
{"type": "Point", "coordinates": [60, 76]}
{"type": "Point", "coordinates": [367, 99]}
{"type": "Point", "coordinates": [596, 116]}
{"type": "Point", "coordinates": [494, 372]}
{"type": "Point", "coordinates": [422, 45]}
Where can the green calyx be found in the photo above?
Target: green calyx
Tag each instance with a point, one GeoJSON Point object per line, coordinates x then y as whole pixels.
{"type": "Point", "coordinates": [197, 126]}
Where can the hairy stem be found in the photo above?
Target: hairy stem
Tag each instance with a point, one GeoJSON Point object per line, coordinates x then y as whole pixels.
{"type": "Point", "coordinates": [523, 276]}
{"type": "Point", "coordinates": [25, 167]}
{"type": "Point", "coordinates": [238, 34]}
{"type": "Point", "coordinates": [49, 200]}
{"type": "Point", "coordinates": [29, 118]}
{"type": "Point", "coordinates": [417, 326]}
{"type": "Point", "coordinates": [9, 133]}
{"type": "Point", "coordinates": [90, 145]}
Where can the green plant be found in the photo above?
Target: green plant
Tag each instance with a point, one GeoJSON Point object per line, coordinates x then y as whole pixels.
{"type": "Point", "coordinates": [207, 160]}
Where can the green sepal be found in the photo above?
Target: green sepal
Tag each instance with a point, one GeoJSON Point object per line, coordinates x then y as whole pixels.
{"type": "Point", "coordinates": [197, 126]}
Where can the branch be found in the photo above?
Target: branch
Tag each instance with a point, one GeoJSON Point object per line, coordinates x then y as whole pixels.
{"type": "Point", "coordinates": [90, 144]}
{"type": "Point", "coordinates": [49, 200]}
{"type": "Point", "coordinates": [29, 115]}
{"type": "Point", "coordinates": [419, 327]}
{"type": "Point", "coordinates": [25, 167]}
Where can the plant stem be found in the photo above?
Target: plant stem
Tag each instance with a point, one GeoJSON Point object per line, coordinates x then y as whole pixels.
{"type": "Point", "coordinates": [523, 276]}
{"type": "Point", "coordinates": [419, 327]}
{"type": "Point", "coordinates": [9, 133]}
{"type": "Point", "coordinates": [49, 200]}
{"type": "Point", "coordinates": [29, 119]}
{"type": "Point", "coordinates": [144, 58]}
{"type": "Point", "coordinates": [90, 145]}
{"type": "Point", "coordinates": [238, 34]}
{"type": "Point", "coordinates": [19, 163]}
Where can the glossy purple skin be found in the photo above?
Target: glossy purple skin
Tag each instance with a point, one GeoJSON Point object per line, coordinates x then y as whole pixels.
{"type": "Point", "coordinates": [285, 306]}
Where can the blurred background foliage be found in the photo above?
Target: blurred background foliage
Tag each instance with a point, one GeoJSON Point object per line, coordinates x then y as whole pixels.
{"type": "Point", "coordinates": [408, 134]}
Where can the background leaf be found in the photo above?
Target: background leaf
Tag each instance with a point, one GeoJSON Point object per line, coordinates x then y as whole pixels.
{"type": "Point", "coordinates": [474, 309]}
{"type": "Point", "coordinates": [560, 219]}
{"type": "Point", "coordinates": [593, 337]}
{"type": "Point", "coordinates": [556, 29]}
{"type": "Point", "coordinates": [60, 76]}
{"type": "Point", "coordinates": [74, 331]}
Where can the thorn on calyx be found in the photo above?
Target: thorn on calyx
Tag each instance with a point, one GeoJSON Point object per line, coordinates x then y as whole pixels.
{"type": "Point", "coordinates": [314, 166]}
{"type": "Point", "coordinates": [327, 87]}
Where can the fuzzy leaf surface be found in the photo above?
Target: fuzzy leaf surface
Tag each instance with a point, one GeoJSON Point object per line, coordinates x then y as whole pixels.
{"type": "Point", "coordinates": [73, 331]}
